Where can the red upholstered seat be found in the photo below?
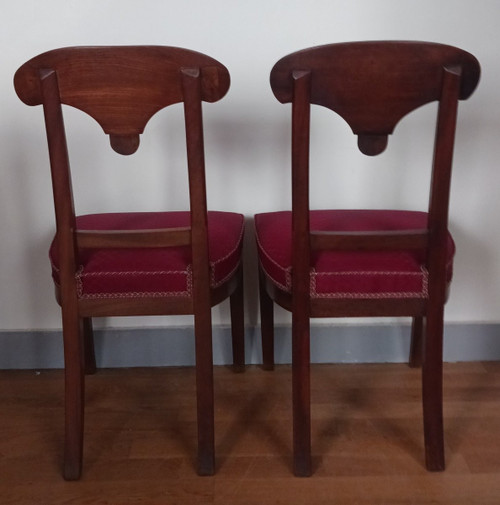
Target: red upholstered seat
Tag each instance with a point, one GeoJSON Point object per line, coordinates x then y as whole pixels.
{"type": "Point", "coordinates": [348, 274]}
{"type": "Point", "coordinates": [129, 273]}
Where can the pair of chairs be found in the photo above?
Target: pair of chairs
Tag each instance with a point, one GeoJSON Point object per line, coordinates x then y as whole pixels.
{"type": "Point", "coordinates": [314, 263]}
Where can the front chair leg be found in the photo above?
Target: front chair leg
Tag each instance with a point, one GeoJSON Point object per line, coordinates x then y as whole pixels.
{"type": "Point", "coordinates": [416, 343]}
{"type": "Point", "coordinates": [204, 391]}
{"type": "Point", "coordinates": [432, 390]}
{"type": "Point", "coordinates": [88, 339]}
{"type": "Point", "coordinates": [266, 323]}
{"type": "Point", "coordinates": [74, 375]}
{"type": "Point", "coordinates": [238, 324]}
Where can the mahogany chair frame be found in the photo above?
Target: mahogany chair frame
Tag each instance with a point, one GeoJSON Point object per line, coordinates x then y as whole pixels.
{"type": "Point", "coordinates": [121, 88]}
{"type": "Point", "coordinates": [324, 76]}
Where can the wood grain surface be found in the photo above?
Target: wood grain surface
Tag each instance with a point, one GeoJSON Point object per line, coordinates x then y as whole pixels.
{"type": "Point", "coordinates": [141, 438]}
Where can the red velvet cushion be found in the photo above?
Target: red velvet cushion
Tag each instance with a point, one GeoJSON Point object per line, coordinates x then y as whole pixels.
{"type": "Point", "coordinates": [128, 273]}
{"type": "Point", "coordinates": [348, 274]}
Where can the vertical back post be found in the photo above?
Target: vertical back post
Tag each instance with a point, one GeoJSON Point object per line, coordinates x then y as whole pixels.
{"type": "Point", "coordinates": [66, 224]}
{"type": "Point", "coordinates": [300, 273]}
{"type": "Point", "coordinates": [191, 83]}
{"type": "Point", "coordinates": [432, 367]}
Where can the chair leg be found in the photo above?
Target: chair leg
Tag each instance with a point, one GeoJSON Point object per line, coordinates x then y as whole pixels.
{"type": "Point", "coordinates": [74, 374]}
{"type": "Point", "coordinates": [88, 339]}
{"type": "Point", "coordinates": [301, 395]}
{"type": "Point", "coordinates": [266, 324]}
{"type": "Point", "coordinates": [204, 391]}
{"type": "Point", "coordinates": [432, 390]}
{"type": "Point", "coordinates": [416, 345]}
{"type": "Point", "coordinates": [238, 325]}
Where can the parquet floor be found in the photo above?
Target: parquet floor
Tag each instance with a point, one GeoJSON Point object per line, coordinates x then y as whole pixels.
{"type": "Point", "coordinates": [140, 439]}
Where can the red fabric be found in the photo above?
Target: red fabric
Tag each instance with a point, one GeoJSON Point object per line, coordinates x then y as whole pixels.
{"type": "Point", "coordinates": [126, 273]}
{"type": "Point", "coordinates": [348, 274]}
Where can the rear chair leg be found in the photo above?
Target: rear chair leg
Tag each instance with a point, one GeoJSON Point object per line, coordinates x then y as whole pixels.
{"type": "Point", "coordinates": [74, 375]}
{"type": "Point", "coordinates": [301, 395]}
{"type": "Point", "coordinates": [432, 391]}
{"type": "Point", "coordinates": [205, 391]}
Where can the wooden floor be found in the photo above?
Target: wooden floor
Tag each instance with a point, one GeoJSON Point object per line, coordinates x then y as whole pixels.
{"type": "Point", "coordinates": [140, 438]}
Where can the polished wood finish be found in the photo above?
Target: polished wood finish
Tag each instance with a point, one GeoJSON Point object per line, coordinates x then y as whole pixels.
{"type": "Point", "coordinates": [128, 239]}
{"type": "Point", "coordinates": [141, 438]}
{"type": "Point", "coordinates": [369, 241]}
{"type": "Point", "coordinates": [371, 72]}
{"type": "Point", "coordinates": [416, 343]}
{"type": "Point", "coordinates": [372, 85]}
{"type": "Point", "coordinates": [122, 88]}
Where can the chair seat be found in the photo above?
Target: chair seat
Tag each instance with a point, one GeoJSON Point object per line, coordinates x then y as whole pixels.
{"type": "Point", "coordinates": [348, 274]}
{"type": "Point", "coordinates": [157, 272]}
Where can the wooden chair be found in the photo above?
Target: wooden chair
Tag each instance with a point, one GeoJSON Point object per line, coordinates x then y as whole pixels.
{"type": "Point", "coordinates": [336, 263]}
{"type": "Point", "coordinates": [146, 263]}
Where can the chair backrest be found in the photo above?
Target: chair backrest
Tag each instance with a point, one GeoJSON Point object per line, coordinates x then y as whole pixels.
{"type": "Point", "coordinates": [122, 87]}
{"type": "Point", "coordinates": [372, 85]}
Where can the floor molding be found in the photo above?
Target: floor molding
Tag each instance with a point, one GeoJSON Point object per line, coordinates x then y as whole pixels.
{"type": "Point", "coordinates": [137, 347]}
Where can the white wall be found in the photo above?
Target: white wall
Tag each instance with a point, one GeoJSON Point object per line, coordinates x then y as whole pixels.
{"type": "Point", "coordinates": [247, 132]}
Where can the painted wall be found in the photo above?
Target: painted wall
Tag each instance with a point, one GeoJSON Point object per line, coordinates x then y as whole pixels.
{"type": "Point", "coordinates": [246, 134]}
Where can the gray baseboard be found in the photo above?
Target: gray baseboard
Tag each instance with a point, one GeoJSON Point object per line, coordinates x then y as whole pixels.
{"type": "Point", "coordinates": [170, 346]}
